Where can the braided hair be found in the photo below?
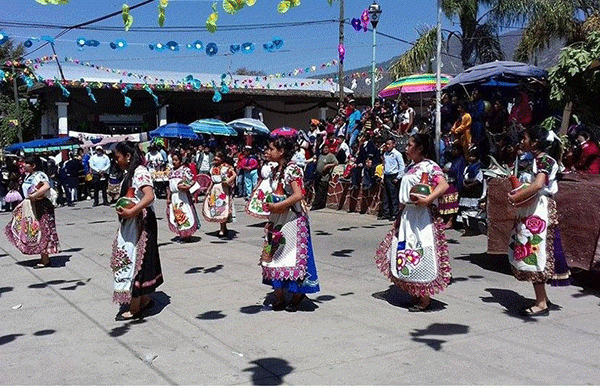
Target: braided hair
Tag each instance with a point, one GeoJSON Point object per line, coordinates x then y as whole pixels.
{"type": "Point", "coordinates": [135, 159]}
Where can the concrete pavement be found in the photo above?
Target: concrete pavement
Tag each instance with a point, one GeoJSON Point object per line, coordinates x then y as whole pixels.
{"type": "Point", "coordinates": [210, 325]}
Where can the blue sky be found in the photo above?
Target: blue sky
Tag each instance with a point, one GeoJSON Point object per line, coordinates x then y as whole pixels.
{"type": "Point", "coordinates": [303, 46]}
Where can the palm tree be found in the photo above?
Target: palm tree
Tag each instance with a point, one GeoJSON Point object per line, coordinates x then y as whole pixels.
{"type": "Point", "coordinates": [546, 21]}
{"type": "Point", "coordinates": [478, 36]}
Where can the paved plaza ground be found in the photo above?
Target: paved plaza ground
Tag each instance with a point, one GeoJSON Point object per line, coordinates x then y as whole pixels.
{"type": "Point", "coordinates": [211, 325]}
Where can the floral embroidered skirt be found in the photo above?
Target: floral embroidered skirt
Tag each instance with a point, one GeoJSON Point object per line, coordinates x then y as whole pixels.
{"type": "Point", "coordinates": [32, 228]}
{"type": "Point", "coordinates": [182, 217]}
{"type": "Point", "coordinates": [414, 254]}
{"type": "Point", "coordinates": [289, 252]}
{"type": "Point", "coordinates": [218, 205]}
{"type": "Point", "coordinates": [149, 277]}
{"type": "Point", "coordinates": [535, 250]}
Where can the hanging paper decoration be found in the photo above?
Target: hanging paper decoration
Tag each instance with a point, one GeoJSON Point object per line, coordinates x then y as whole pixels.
{"type": "Point", "coordinates": [154, 96]}
{"type": "Point", "coordinates": [28, 43]}
{"type": "Point", "coordinates": [364, 18]}
{"type": "Point", "coordinates": [3, 37]}
{"type": "Point", "coordinates": [285, 5]}
{"type": "Point", "coordinates": [235, 48]}
{"type": "Point", "coordinates": [197, 45]}
{"type": "Point", "coordinates": [193, 82]}
{"type": "Point", "coordinates": [2, 75]}
{"type": "Point", "coordinates": [157, 47]}
{"type": "Point", "coordinates": [233, 6]}
{"type": "Point", "coordinates": [90, 94]}
{"type": "Point", "coordinates": [161, 11]}
{"type": "Point", "coordinates": [52, 2]}
{"type": "Point", "coordinates": [28, 81]}
{"type": "Point", "coordinates": [212, 49]}
{"type": "Point", "coordinates": [217, 97]}
{"type": "Point", "coordinates": [119, 44]}
{"type": "Point", "coordinates": [341, 52]}
{"type": "Point", "coordinates": [172, 45]}
{"type": "Point", "coordinates": [92, 43]}
{"type": "Point", "coordinates": [278, 42]}
{"type": "Point", "coordinates": [356, 24]}
{"type": "Point", "coordinates": [211, 21]}
{"type": "Point", "coordinates": [64, 90]}
{"type": "Point", "coordinates": [247, 48]}
{"type": "Point", "coordinates": [224, 87]}
{"type": "Point", "coordinates": [127, 18]}
{"type": "Point", "coordinates": [81, 42]}
{"type": "Point", "coordinates": [127, 100]}
{"type": "Point", "coordinates": [47, 38]}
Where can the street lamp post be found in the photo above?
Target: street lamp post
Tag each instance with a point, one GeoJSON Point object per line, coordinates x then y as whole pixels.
{"type": "Point", "coordinates": [374, 12]}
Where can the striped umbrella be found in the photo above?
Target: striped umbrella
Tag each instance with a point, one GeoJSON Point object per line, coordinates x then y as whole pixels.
{"type": "Point", "coordinates": [417, 83]}
{"type": "Point", "coordinates": [250, 125]}
{"type": "Point", "coordinates": [213, 127]}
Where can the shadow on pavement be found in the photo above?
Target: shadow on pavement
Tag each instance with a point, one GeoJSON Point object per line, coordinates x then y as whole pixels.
{"type": "Point", "coordinates": [396, 297]}
{"type": "Point", "coordinates": [343, 253]}
{"type": "Point", "coordinates": [9, 338]}
{"type": "Point", "coordinates": [437, 329]}
{"type": "Point", "coordinates": [321, 233]}
{"type": "Point", "coordinates": [495, 263]}
{"type": "Point", "coordinates": [44, 332]}
{"type": "Point", "coordinates": [211, 315]}
{"type": "Point", "coordinates": [512, 301]}
{"type": "Point", "coordinates": [231, 234]}
{"type": "Point", "coordinates": [55, 261]}
{"type": "Point", "coordinates": [258, 225]}
{"type": "Point", "coordinates": [269, 371]}
{"type": "Point", "coordinates": [72, 250]}
{"type": "Point", "coordinates": [589, 281]}
{"type": "Point", "coordinates": [5, 289]}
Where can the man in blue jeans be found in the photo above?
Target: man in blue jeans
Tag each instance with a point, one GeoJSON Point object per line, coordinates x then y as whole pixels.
{"type": "Point", "coordinates": [393, 169]}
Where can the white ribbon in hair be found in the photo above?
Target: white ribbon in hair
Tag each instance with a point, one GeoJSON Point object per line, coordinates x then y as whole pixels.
{"type": "Point", "coordinates": [551, 136]}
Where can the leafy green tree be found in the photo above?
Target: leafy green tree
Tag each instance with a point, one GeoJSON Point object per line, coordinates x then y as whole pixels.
{"type": "Point", "coordinates": [546, 21]}
{"type": "Point", "coordinates": [478, 37]}
{"type": "Point", "coordinates": [576, 78]}
{"type": "Point", "coordinates": [10, 117]}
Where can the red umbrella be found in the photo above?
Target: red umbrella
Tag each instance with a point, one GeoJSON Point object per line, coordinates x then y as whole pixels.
{"type": "Point", "coordinates": [284, 131]}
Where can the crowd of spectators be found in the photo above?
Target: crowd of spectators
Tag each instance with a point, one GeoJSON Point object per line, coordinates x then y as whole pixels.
{"type": "Point", "coordinates": [365, 146]}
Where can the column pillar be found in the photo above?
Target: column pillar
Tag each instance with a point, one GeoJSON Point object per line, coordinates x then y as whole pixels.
{"type": "Point", "coordinates": [162, 115]}
{"type": "Point", "coordinates": [323, 113]}
{"type": "Point", "coordinates": [63, 119]}
{"type": "Point", "coordinates": [248, 112]}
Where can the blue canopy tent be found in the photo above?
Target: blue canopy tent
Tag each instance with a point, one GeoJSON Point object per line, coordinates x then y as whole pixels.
{"type": "Point", "coordinates": [174, 131]}
{"type": "Point", "coordinates": [497, 73]}
{"type": "Point", "coordinates": [43, 145]}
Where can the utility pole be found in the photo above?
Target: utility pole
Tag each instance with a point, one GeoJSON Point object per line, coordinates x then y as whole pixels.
{"type": "Point", "coordinates": [17, 106]}
{"type": "Point", "coordinates": [438, 82]}
{"type": "Point", "coordinates": [340, 63]}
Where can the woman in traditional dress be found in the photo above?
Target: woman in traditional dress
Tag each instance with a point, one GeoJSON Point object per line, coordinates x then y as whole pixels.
{"type": "Point", "coordinates": [287, 259]}
{"type": "Point", "coordinates": [535, 250]}
{"type": "Point", "coordinates": [181, 212]}
{"type": "Point", "coordinates": [414, 254]}
{"type": "Point", "coordinates": [218, 205]}
{"type": "Point", "coordinates": [135, 260]}
{"type": "Point", "coordinates": [32, 228]}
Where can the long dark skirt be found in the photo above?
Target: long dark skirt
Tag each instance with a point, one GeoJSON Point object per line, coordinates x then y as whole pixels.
{"type": "Point", "coordinates": [149, 276]}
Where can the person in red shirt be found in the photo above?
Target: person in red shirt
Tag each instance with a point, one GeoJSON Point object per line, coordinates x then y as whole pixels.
{"type": "Point", "coordinates": [589, 158]}
{"type": "Point", "coordinates": [333, 143]}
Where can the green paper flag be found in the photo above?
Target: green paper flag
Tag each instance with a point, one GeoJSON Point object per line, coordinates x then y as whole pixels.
{"type": "Point", "coordinates": [127, 18]}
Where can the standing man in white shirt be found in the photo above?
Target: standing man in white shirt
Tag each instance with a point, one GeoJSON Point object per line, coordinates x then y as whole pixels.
{"type": "Point", "coordinates": [99, 166]}
{"type": "Point", "coordinates": [393, 169]}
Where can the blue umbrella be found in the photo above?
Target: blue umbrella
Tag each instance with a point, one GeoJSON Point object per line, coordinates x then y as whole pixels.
{"type": "Point", "coordinates": [250, 125]}
{"type": "Point", "coordinates": [499, 71]}
{"type": "Point", "coordinates": [174, 131]}
{"type": "Point", "coordinates": [213, 127]}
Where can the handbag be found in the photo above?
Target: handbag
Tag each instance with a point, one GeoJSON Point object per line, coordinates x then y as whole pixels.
{"type": "Point", "coordinates": [89, 177]}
